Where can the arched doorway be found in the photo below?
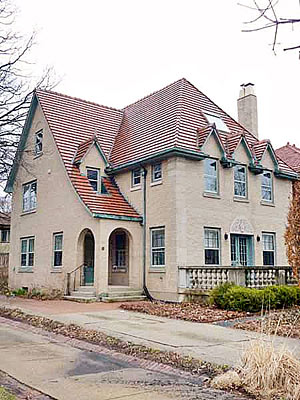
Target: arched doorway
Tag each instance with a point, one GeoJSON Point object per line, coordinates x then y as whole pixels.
{"type": "Point", "coordinates": [118, 263]}
{"type": "Point", "coordinates": [86, 258]}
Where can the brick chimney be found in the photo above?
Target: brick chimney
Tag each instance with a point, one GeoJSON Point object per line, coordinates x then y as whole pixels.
{"type": "Point", "coordinates": [247, 108]}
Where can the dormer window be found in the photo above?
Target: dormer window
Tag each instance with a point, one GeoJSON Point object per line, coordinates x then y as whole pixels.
{"type": "Point", "coordinates": [220, 124]}
{"type": "Point", "coordinates": [38, 147]}
{"type": "Point", "coordinates": [93, 175]}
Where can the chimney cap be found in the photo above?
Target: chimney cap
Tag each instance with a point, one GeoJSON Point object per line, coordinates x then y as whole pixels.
{"type": "Point", "coordinates": [247, 84]}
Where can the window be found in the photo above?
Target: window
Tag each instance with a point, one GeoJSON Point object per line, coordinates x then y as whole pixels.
{"type": "Point", "coordinates": [210, 175]}
{"type": "Point", "coordinates": [29, 196]}
{"type": "Point", "coordinates": [157, 247]}
{"type": "Point", "coordinates": [27, 252]}
{"type": "Point", "coordinates": [136, 177]}
{"type": "Point", "coordinates": [220, 124]}
{"type": "Point", "coordinates": [156, 172]}
{"type": "Point", "coordinates": [57, 249]}
{"type": "Point", "coordinates": [240, 181]}
{"type": "Point", "coordinates": [5, 235]}
{"type": "Point", "coordinates": [266, 186]}
{"type": "Point", "coordinates": [38, 147]}
{"type": "Point", "coordinates": [268, 240]}
{"type": "Point", "coordinates": [93, 177]}
{"type": "Point", "coordinates": [212, 246]}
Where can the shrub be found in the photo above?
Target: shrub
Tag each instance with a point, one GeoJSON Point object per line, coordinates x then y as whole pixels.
{"type": "Point", "coordinates": [238, 298]}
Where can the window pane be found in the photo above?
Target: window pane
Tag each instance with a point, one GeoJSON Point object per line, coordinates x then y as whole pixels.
{"type": "Point", "coordinates": [156, 171]}
{"type": "Point", "coordinates": [24, 246]}
{"type": "Point", "coordinates": [30, 259]}
{"type": "Point", "coordinates": [31, 245]}
{"type": "Point", "coordinates": [158, 257]}
{"type": "Point", "coordinates": [211, 239]}
{"type": "Point", "coordinates": [57, 258]}
{"type": "Point", "coordinates": [268, 257]}
{"type": "Point", "coordinates": [239, 189]}
{"type": "Point", "coordinates": [158, 238]}
{"type": "Point", "coordinates": [23, 260]}
{"type": "Point", "coordinates": [92, 174]}
{"type": "Point", "coordinates": [210, 167]}
{"type": "Point", "coordinates": [94, 185]}
{"type": "Point", "coordinates": [58, 242]}
{"type": "Point", "coordinates": [211, 256]}
{"type": "Point", "coordinates": [136, 176]}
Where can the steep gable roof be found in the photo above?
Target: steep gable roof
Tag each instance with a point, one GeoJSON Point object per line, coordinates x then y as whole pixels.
{"type": "Point", "coordinates": [290, 154]}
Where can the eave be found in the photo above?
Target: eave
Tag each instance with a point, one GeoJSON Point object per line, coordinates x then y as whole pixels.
{"type": "Point", "coordinates": [117, 217]}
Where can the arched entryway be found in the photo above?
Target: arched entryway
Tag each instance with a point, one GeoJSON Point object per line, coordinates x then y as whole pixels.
{"type": "Point", "coordinates": [86, 248]}
{"type": "Point", "coordinates": [118, 263]}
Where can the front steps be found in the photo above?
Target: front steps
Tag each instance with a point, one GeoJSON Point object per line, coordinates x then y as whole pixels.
{"type": "Point", "coordinates": [84, 294]}
{"type": "Point", "coordinates": [121, 294]}
{"type": "Point", "coordinates": [87, 294]}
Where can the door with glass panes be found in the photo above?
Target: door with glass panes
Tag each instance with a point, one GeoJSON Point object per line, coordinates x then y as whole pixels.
{"type": "Point", "coordinates": [241, 250]}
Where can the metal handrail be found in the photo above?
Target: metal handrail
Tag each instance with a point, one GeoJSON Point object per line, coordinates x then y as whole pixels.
{"type": "Point", "coordinates": [69, 278]}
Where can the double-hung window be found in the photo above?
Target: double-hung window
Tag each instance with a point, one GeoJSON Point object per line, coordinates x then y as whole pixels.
{"type": "Point", "coordinates": [266, 186]}
{"type": "Point", "coordinates": [240, 181]}
{"type": "Point", "coordinates": [212, 246]}
{"type": "Point", "coordinates": [38, 146]}
{"type": "Point", "coordinates": [29, 196]}
{"type": "Point", "coordinates": [268, 240]}
{"type": "Point", "coordinates": [93, 177]}
{"type": "Point", "coordinates": [5, 236]}
{"type": "Point", "coordinates": [156, 173]}
{"type": "Point", "coordinates": [157, 247]}
{"type": "Point", "coordinates": [27, 252]}
{"type": "Point", "coordinates": [211, 175]}
{"type": "Point", "coordinates": [57, 249]}
{"type": "Point", "coordinates": [136, 178]}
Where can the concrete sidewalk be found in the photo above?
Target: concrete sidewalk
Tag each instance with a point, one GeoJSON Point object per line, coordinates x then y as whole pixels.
{"type": "Point", "coordinates": [207, 342]}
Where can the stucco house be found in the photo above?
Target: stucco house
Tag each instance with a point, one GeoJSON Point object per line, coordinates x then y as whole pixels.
{"type": "Point", "coordinates": [4, 238]}
{"type": "Point", "coordinates": [109, 201]}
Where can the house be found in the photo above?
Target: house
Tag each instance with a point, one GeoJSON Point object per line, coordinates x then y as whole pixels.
{"type": "Point", "coordinates": [113, 200]}
{"type": "Point", "coordinates": [4, 239]}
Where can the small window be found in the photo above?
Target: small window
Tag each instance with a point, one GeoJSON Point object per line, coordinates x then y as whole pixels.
{"type": "Point", "coordinates": [268, 240]}
{"type": "Point", "coordinates": [156, 172]}
{"type": "Point", "coordinates": [210, 175]}
{"type": "Point", "coordinates": [212, 246]}
{"type": "Point", "coordinates": [57, 249]}
{"type": "Point", "coordinates": [5, 235]}
{"type": "Point", "coordinates": [220, 124]}
{"type": "Point", "coordinates": [38, 147]}
{"type": "Point", "coordinates": [29, 196]}
{"type": "Point", "coordinates": [266, 186]}
{"type": "Point", "coordinates": [93, 177]}
{"type": "Point", "coordinates": [240, 181]}
{"type": "Point", "coordinates": [136, 177]}
{"type": "Point", "coordinates": [157, 247]}
{"type": "Point", "coordinates": [27, 252]}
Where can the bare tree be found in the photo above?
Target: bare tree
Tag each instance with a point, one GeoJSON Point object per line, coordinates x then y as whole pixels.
{"type": "Point", "coordinates": [16, 85]}
{"type": "Point", "coordinates": [266, 17]}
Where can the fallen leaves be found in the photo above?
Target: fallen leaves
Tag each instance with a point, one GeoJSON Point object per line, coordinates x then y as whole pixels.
{"type": "Point", "coordinates": [194, 312]}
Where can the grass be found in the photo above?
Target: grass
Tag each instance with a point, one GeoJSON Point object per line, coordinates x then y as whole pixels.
{"type": "Point", "coordinates": [5, 395]}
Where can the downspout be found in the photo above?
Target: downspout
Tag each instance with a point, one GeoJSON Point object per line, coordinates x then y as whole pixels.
{"type": "Point", "coordinates": [146, 291]}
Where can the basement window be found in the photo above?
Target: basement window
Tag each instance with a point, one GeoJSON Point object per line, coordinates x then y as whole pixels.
{"type": "Point", "coordinates": [220, 124]}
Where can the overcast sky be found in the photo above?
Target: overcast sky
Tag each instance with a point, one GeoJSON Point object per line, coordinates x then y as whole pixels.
{"type": "Point", "coordinates": [114, 52]}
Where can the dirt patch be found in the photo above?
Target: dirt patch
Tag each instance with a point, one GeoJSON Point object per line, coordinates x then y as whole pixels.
{"type": "Point", "coordinates": [186, 311]}
{"type": "Point", "coordinates": [282, 323]}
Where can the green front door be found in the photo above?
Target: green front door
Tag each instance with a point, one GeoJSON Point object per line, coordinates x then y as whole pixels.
{"type": "Point", "coordinates": [241, 250]}
{"type": "Point", "coordinates": [88, 270]}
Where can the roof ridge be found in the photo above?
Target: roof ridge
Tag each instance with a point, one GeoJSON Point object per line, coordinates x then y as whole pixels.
{"type": "Point", "coordinates": [78, 99]}
{"type": "Point", "coordinates": [153, 93]}
{"type": "Point", "coordinates": [179, 110]}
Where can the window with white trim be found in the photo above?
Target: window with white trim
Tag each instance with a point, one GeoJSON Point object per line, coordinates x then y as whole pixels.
{"type": "Point", "coordinates": [38, 146]}
{"type": "Point", "coordinates": [240, 181]}
{"type": "Point", "coordinates": [29, 196]}
{"type": "Point", "coordinates": [27, 252]}
{"type": "Point", "coordinates": [266, 186]}
{"type": "Point", "coordinates": [156, 175]}
{"type": "Point", "coordinates": [211, 183]}
{"type": "Point", "coordinates": [211, 246]}
{"type": "Point", "coordinates": [136, 177]}
{"type": "Point", "coordinates": [93, 177]}
{"type": "Point", "coordinates": [5, 235]}
{"type": "Point", "coordinates": [268, 240]}
{"type": "Point", "coordinates": [57, 249]}
{"type": "Point", "coordinates": [157, 247]}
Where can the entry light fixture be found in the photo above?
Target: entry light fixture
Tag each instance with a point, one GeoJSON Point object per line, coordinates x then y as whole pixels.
{"type": "Point", "coordinates": [226, 236]}
{"type": "Point", "coordinates": [258, 238]}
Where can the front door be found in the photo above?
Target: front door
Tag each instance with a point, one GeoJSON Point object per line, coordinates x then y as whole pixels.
{"type": "Point", "coordinates": [118, 273]}
{"type": "Point", "coordinates": [241, 250]}
{"type": "Point", "coordinates": [88, 269]}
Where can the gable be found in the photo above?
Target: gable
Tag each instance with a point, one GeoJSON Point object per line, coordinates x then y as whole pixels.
{"type": "Point", "coordinates": [242, 153]}
{"type": "Point", "coordinates": [213, 146]}
{"type": "Point", "coordinates": [268, 161]}
{"type": "Point", "coordinates": [92, 158]}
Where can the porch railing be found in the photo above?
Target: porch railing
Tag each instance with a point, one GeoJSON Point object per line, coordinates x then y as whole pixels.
{"type": "Point", "coordinates": [206, 278]}
{"type": "Point", "coordinates": [75, 278]}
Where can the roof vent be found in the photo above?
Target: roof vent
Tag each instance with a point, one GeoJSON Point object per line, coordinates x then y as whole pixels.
{"type": "Point", "coordinates": [247, 108]}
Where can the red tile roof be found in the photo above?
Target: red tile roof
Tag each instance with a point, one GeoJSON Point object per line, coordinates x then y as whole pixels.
{"type": "Point", "coordinates": [171, 118]}
{"type": "Point", "coordinates": [290, 154]}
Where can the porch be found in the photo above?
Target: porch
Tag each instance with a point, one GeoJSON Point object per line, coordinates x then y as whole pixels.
{"type": "Point", "coordinates": [203, 278]}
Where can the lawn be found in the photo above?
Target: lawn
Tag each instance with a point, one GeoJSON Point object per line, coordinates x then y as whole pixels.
{"type": "Point", "coordinates": [5, 395]}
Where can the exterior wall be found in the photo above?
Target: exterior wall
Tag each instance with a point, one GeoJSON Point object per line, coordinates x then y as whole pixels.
{"type": "Point", "coordinates": [59, 209]}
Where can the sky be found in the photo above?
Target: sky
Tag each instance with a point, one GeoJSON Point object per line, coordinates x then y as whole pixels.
{"type": "Point", "coordinates": [114, 52]}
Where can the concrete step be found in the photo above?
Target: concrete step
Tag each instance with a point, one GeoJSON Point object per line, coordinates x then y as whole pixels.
{"type": "Point", "coordinates": [113, 299]}
{"type": "Point", "coordinates": [81, 299]}
{"type": "Point", "coordinates": [132, 293]}
{"type": "Point", "coordinates": [80, 293]}
{"type": "Point", "coordinates": [86, 289]}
